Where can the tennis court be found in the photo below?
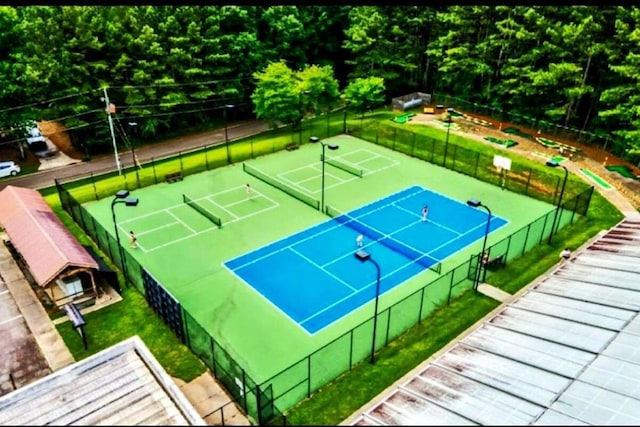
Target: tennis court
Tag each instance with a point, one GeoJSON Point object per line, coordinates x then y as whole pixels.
{"type": "Point", "coordinates": [293, 308]}
{"type": "Point", "coordinates": [314, 277]}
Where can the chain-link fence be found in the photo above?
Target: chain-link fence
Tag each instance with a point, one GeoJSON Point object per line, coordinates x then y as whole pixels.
{"type": "Point", "coordinates": [266, 402]}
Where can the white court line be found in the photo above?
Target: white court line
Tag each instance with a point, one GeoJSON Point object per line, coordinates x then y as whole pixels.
{"type": "Point", "coordinates": [179, 221]}
{"type": "Point", "coordinates": [212, 228]}
{"type": "Point", "coordinates": [326, 187]}
{"type": "Point", "coordinates": [221, 207]}
{"type": "Point", "coordinates": [11, 320]}
{"type": "Point", "coordinates": [306, 238]}
{"type": "Point", "coordinates": [321, 268]}
{"type": "Point", "coordinates": [437, 224]}
{"type": "Point", "coordinates": [335, 176]}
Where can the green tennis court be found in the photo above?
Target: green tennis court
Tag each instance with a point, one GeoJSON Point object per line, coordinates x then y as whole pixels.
{"type": "Point", "coordinates": [185, 249]}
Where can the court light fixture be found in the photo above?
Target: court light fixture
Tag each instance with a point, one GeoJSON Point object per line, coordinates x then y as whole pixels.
{"type": "Point", "coordinates": [226, 132]}
{"type": "Point", "coordinates": [364, 256]}
{"type": "Point", "coordinates": [331, 146]}
{"type": "Point", "coordinates": [121, 197]}
{"type": "Point", "coordinates": [553, 164]}
{"type": "Point", "coordinates": [475, 203]}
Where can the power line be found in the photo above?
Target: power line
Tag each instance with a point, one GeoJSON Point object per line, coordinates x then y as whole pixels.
{"type": "Point", "coordinates": [125, 107]}
{"type": "Point", "coordinates": [47, 101]}
{"type": "Point", "coordinates": [180, 84]}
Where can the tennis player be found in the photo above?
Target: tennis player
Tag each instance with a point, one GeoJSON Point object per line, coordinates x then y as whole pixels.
{"type": "Point", "coordinates": [425, 211]}
{"type": "Point", "coordinates": [247, 189]}
{"type": "Point", "coordinates": [360, 240]}
{"type": "Point", "coordinates": [133, 239]}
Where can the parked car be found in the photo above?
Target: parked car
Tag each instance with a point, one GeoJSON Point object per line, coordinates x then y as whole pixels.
{"type": "Point", "coordinates": [35, 140]}
{"type": "Point", "coordinates": [9, 169]}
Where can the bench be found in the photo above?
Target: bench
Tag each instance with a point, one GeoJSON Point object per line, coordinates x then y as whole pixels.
{"type": "Point", "coordinates": [495, 263]}
{"type": "Point", "coordinates": [292, 146]}
{"type": "Point", "coordinates": [173, 177]}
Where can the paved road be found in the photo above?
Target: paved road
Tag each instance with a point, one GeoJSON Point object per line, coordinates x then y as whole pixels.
{"type": "Point", "coordinates": [106, 162]}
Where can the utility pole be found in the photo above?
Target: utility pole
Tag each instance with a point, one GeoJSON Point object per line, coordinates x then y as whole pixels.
{"type": "Point", "coordinates": [110, 108]}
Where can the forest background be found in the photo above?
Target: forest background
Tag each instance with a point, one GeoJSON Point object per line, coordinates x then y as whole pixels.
{"type": "Point", "coordinates": [168, 68]}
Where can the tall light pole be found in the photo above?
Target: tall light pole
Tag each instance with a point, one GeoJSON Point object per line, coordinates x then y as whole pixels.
{"type": "Point", "coordinates": [122, 196]}
{"type": "Point", "coordinates": [478, 204]}
{"type": "Point", "coordinates": [315, 139]}
{"type": "Point", "coordinates": [446, 143]}
{"type": "Point", "coordinates": [363, 257]}
{"type": "Point", "coordinates": [555, 216]}
{"type": "Point", "coordinates": [136, 165]}
{"type": "Point", "coordinates": [226, 133]}
{"type": "Point", "coordinates": [111, 108]}
{"type": "Point", "coordinates": [305, 92]}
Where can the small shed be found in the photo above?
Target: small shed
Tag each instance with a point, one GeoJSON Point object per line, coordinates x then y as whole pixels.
{"type": "Point", "coordinates": [56, 260]}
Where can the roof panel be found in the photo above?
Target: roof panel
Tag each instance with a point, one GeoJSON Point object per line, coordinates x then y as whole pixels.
{"type": "Point", "coordinates": [554, 329]}
{"type": "Point", "coordinates": [580, 311]}
{"type": "Point", "coordinates": [625, 347]}
{"type": "Point", "coordinates": [602, 294]}
{"type": "Point", "coordinates": [598, 406]}
{"type": "Point", "coordinates": [121, 385]}
{"type": "Point", "coordinates": [600, 276]}
{"type": "Point", "coordinates": [475, 401]}
{"type": "Point", "coordinates": [614, 374]}
{"type": "Point", "coordinates": [612, 261]}
{"type": "Point", "coordinates": [404, 408]}
{"type": "Point", "coordinates": [511, 376]}
{"type": "Point", "coordinates": [553, 418]}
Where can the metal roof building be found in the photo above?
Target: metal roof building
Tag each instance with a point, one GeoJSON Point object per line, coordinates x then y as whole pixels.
{"type": "Point", "coordinates": [564, 352]}
{"type": "Point", "coordinates": [40, 237]}
{"type": "Point", "coordinates": [121, 385]}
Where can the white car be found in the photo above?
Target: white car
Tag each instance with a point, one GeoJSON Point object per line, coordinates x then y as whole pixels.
{"type": "Point", "coordinates": [9, 169]}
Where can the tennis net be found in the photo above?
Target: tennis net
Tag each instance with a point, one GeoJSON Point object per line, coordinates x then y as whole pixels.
{"type": "Point", "coordinates": [410, 253]}
{"type": "Point", "coordinates": [344, 166]}
{"type": "Point", "coordinates": [201, 210]}
{"type": "Point", "coordinates": [251, 170]}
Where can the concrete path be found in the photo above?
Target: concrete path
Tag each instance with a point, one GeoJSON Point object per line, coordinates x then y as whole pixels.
{"type": "Point", "coordinates": [46, 335]}
{"type": "Point", "coordinates": [492, 292]}
{"type": "Point", "coordinates": [212, 402]}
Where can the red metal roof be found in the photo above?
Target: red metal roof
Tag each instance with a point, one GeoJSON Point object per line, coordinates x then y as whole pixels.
{"type": "Point", "coordinates": [39, 235]}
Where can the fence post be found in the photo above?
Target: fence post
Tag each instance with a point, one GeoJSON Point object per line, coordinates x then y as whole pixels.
{"type": "Point", "coordinates": [153, 165]}
{"type": "Point", "coordinates": [420, 308]}
{"type": "Point", "coordinates": [309, 376]}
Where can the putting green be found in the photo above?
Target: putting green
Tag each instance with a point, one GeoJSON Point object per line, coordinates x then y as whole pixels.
{"type": "Point", "coordinates": [595, 178]}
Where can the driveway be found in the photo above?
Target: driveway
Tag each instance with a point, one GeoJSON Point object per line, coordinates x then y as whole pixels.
{"type": "Point", "coordinates": [45, 178]}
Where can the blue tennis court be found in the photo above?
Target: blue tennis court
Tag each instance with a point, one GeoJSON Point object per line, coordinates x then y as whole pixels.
{"type": "Point", "coordinates": [313, 276]}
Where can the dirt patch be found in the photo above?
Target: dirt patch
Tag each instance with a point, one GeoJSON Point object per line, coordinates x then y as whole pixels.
{"type": "Point", "coordinates": [58, 135]}
{"type": "Point", "coordinates": [592, 158]}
